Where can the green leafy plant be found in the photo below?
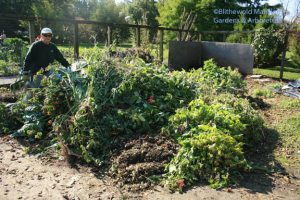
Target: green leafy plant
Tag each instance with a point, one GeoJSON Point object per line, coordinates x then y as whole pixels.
{"type": "Point", "coordinates": [214, 79]}
{"type": "Point", "coordinates": [10, 118]}
{"type": "Point", "coordinates": [11, 55]}
{"type": "Point", "coordinates": [210, 156]}
{"type": "Point", "coordinates": [186, 121]}
{"type": "Point", "coordinates": [32, 117]}
{"type": "Point", "coordinates": [249, 117]}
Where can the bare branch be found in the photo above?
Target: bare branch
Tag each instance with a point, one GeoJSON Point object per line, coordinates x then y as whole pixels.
{"type": "Point", "coordinates": [284, 10]}
{"type": "Point", "coordinates": [296, 17]}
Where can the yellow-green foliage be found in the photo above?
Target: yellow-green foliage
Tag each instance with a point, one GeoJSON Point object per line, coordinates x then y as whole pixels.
{"type": "Point", "coordinates": [209, 155]}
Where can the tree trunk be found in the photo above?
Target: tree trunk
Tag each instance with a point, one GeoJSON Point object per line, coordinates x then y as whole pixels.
{"type": "Point", "coordinates": [285, 44]}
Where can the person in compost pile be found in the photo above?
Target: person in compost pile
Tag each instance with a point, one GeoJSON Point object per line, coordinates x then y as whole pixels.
{"type": "Point", "coordinates": [40, 54]}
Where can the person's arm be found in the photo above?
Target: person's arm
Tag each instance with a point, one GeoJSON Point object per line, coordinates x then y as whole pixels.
{"type": "Point", "coordinates": [60, 58]}
{"type": "Point", "coordinates": [29, 59]}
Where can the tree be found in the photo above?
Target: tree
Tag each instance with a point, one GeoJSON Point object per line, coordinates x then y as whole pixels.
{"type": "Point", "coordinates": [144, 12]}
{"type": "Point", "coordinates": [63, 32]}
{"type": "Point", "coordinates": [82, 9]}
{"type": "Point", "coordinates": [16, 7]}
{"type": "Point", "coordinates": [109, 12]}
{"type": "Point", "coordinates": [288, 26]}
{"type": "Point", "coordinates": [106, 11]}
{"type": "Point", "coordinates": [294, 46]}
{"type": "Point", "coordinates": [240, 36]}
{"type": "Point", "coordinates": [208, 16]}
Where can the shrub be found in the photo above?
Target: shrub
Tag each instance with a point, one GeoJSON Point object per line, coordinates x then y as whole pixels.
{"type": "Point", "coordinates": [268, 44]}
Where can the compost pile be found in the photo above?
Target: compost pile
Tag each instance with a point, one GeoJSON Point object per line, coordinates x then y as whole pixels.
{"type": "Point", "coordinates": [150, 125]}
{"type": "Point", "coordinates": [133, 53]}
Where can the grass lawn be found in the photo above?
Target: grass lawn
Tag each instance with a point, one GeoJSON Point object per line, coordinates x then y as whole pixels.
{"type": "Point", "coordinates": [283, 117]}
{"type": "Point", "coordinates": [289, 129]}
{"type": "Point", "coordinates": [288, 74]}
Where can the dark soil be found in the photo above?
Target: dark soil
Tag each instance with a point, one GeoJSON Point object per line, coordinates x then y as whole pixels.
{"type": "Point", "coordinates": [8, 97]}
{"type": "Point", "coordinates": [141, 161]}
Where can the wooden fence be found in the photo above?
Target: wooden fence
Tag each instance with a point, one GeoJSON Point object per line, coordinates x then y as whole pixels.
{"type": "Point", "coordinates": [110, 28]}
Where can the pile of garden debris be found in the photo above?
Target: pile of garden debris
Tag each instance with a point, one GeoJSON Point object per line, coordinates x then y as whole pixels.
{"type": "Point", "coordinates": [292, 89]}
{"type": "Point", "coordinates": [133, 53]}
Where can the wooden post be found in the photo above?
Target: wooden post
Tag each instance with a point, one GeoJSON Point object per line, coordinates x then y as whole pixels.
{"type": "Point", "coordinates": [76, 41]}
{"type": "Point", "coordinates": [138, 36]}
{"type": "Point", "coordinates": [161, 45]}
{"type": "Point", "coordinates": [109, 35]}
{"type": "Point", "coordinates": [285, 44]}
{"type": "Point", "coordinates": [224, 37]}
{"type": "Point", "coordinates": [31, 32]}
{"type": "Point", "coordinates": [180, 35]}
{"type": "Point", "coordinates": [199, 37]}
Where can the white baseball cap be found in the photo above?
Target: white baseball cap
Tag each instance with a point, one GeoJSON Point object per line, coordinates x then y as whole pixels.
{"type": "Point", "coordinates": [46, 31]}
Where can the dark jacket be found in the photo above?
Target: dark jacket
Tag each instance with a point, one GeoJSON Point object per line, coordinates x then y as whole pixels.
{"type": "Point", "coordinates": [40, 55]}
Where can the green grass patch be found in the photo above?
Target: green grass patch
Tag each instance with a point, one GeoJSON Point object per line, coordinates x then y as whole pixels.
{"type": "Point", "coordinates": [267, 93]}
{"type": "Point", "coordinates": [283, 159]}
{"type": "Point", "coordinates": [286, 69]}
{"type": "Point", "coordinates": [290, 104]}
{"type": "Point", "coordinates": [266, 90]}
{"type": "Point", "coordinates": [289, 130]}
{"type": "Point", "coordinates": [276, 73]}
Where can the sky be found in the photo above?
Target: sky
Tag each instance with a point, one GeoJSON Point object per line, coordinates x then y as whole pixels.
{"type": "Point", "coordinates": [291, 5]}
